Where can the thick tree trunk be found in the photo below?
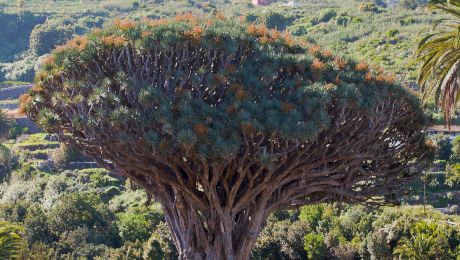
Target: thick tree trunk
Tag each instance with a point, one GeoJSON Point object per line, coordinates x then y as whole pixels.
{"type": "Point", "coordinates": [211, 234]}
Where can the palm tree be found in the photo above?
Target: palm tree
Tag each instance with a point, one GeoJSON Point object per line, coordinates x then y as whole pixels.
{"type": "Point", "coordinates": [11, 241]}
{"type": "Point", "coordinates": [6, 122]}
{"type": "Point", "coordinates": [439, 52]}
{"type": "Point", "coordinates": [417, 247]}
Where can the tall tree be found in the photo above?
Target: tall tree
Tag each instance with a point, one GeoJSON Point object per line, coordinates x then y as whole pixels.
{"type": "Point", "coordinates": [439, 52]}
{"type": "Point", "coordinates": [225, 122]}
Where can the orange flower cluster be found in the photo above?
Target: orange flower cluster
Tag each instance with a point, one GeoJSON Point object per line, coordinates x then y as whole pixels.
{"type": "Point", "coordinates": [231, 109]}
{"type": "Point", "coordinates": [314, 49]}
{"type": "Point", "coordinates": [248, 128]}
{"type": "Point", "coordinates": [195, 33]}
{"type": "Point", "coordinates": [258, 29]}
{"type": "Point", "coordinates": [114, 40]}
{"type": "Point", "coordinates": [385, 77]}
{"type": "Point", "coordinates": [327, 53]}
{"type": "Point", "coordinates": [230, 68]}
{"type": "Point", "coordinates": [79, 42]}
{"type": "Point", "coordinates": [96, 31]}
{"type": "Point", "coordinates": [37, 87]}
{"type": "Point", "coordinates": [286, 107]}
{"type": "Point", "coordinates": [362, 66]}
{"type": "Point", "coordinates": [241, 94]}
{"type": "Point", "coordinates": [186, 17]}
{"type": "Point", "coordinates": [317, 65]}
{"type": "Point", "coordinates": [24, 101]}
{"type": "Point", "coordinates": [340, 63]}
{"type": "Point", "coordinates": [368, 76]}
{"type": "Point", "coordinates": [288, 39]}
{"type": "Point", "coordinates": [219, 15]}
{"type": "Point", "coordinates": [145, 34]}
{"type": "Point", "coordinates": [200, 129]}
{"type": "Point", "coordinates": [124, 24]}
{"type": "Point", "coordinates": [48, 60]}
{"type": "Point", "coordinates": [220, 79]}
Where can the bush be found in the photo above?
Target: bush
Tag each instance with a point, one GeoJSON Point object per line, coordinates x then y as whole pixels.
{"type": "Point", "coordinates": [47, 36]}
{"type": "Point", "coordinates": [315, 247]}
{"type": "Point", "coordinates": [453, 175]}
{"type": "Point", "coordinates": [392, 32]}
{"type": "Point", "coordinates": [5, 161]}
{"type": "Point", "coordinates": [152, 248]}
{"type": "Point", "coordinates": [36, 226]}
{"type": "Point", "coordinates": [164, 237]}
{"type": "Point", "coordinates": [83, 210]}
{"type": "Point", "coordinates": [133, 227]}
{"type": "Point", "coordinates": [22, 69]}
{"type": "Point", "coordinates": [63, 155]}
{"type": "Point", "coordinates": [368, 7]}
{"type": "Point", "coordinates": [136, 223]}
{"type": "Point", "coordinates": [443, 147]}
{"type": "Point", "coordinates": [100, 178]}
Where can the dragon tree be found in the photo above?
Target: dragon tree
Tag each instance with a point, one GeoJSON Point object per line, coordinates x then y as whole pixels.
{"type": "Point", "coordinates": [224, 122]}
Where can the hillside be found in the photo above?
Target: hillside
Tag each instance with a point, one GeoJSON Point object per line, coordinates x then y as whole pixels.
{"type": "Point", "coordinates": [384, 36]}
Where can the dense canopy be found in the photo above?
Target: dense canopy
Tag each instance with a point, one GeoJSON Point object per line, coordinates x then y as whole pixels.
{"type": "Point", "coordinates": [225, 122]}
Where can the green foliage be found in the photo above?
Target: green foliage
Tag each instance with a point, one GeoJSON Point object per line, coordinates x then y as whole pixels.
{"type": "Point", "coordinates": [152, 248]}
{"type": "Point", "coordinates": [162, 234]}
{"type": "Point", "coordinates": [315, 247]}
{"type": "Point", "coordinates": [455, 156]}
{"type": "Point", "coordinates": [5, 161]}
{"type": "Point", "coordinates": [276, 20]}
{"type": "Point", "coordinates": [440, 58]}
{"type": "Point", "coordinates": [411, 4]}
{"type": "Point", "coordinates": [65, 154]}
{"type": "Point", "coordinates": [11, 241]}
{"type": "Point", "coordinates": [368, 7]}
{"type": "Point", "coordinates": [427, 240]}
{"type": "Point", "coordinates": [443, 147]}
{"type": "Point", "coordinates": [77, 210]}
{"type": "Point", "coordinates": [137, 223]}
{"type": "Point", "coordinates": [5, 124]}
{"type": "Point", "coordinates": [392, 32]}
{"type": "Point", "coordinates": [133, 226]}
{"type": "Point", "coordinates": [15, 33]}
{"type": "Point", "coordinates": [453, 175]}
{"type": "Point", "coordinates": [281, 239]}
{"type": "Point", "coordinates": [45, 37]}
{"type": "Point", "coordinates": [187, 126]}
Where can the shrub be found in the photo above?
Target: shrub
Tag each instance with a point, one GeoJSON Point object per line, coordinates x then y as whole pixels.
{"type": "Point", "coordinates": [453, 175]}
{"type": "Point", "coordinates": [443, 147]}
{"type": "Point", "coordinates": [5, 161]}
{"type": "Point", "coordinates": [22, 69]}
{"type": "Point", "coordinates": [392, 32]}
{"type": "Point", "coordinates": [36, 226]}
{"type": "Point", "coordinates": [47, 36]}
{"type": "Point", "coordinates": [132, 227]}
{"type": "Point", "coordinates": [83, 210]}
{"type": "Point", "coordinates": [63, 155]}
{"type": "Point", "coordinates": [368, 7]}
{"type": "Point", "coordinates": [315, 247]}
{"type": "Point", "coordinates": [152, 248]}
